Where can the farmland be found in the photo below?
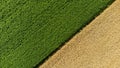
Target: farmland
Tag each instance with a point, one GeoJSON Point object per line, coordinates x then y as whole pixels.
{"type": "Point", "coordinates": [96, 46]}
{"type": "Point", "coordinates": [30, 30]}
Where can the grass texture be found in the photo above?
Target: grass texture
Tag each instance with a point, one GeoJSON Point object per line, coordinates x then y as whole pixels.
{"type": "Point", "coordinates": [96, 46]}
{"type": "Point", "coordinates": [31, 29]}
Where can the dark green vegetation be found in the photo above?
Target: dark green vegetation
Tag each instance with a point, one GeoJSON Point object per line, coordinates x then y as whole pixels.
{"type": "Point", "coordinates": [31, 29]}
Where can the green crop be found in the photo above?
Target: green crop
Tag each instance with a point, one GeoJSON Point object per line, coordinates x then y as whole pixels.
{"type": "Point", "coordinates": [30, 30]}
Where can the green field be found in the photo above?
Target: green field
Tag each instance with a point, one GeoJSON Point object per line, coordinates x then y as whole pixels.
{"type": "Point", "coordinates": [31, 29]}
